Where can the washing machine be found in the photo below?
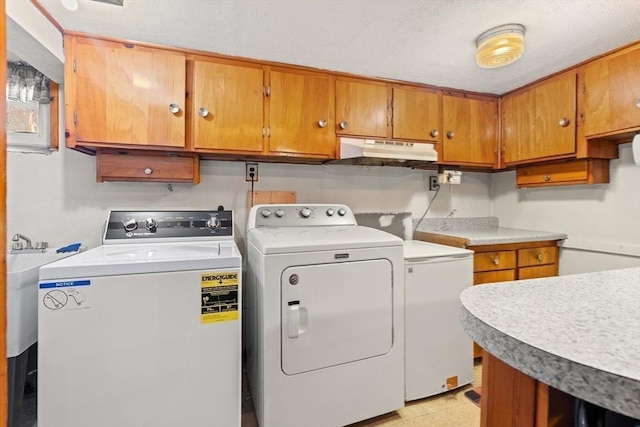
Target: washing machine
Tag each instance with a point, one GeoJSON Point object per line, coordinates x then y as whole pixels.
{"type": "Point", "coordinates": [438, 353]}
{"type": "Point", "coordinates": [324, 313]}
{"type": "Point", "coordinates": [145, 329]}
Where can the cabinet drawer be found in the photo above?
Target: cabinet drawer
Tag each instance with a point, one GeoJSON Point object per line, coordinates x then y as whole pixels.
{"type": "Point", "coordinates": [129, 166]}
{"type": "Point", "coordinates": [548, 270]}
{"type": "Point", "coordinates": [488, 261]}
{"type": "Point", "coordinates": [537, 256]}
{"type": "Point", "coordinates": [582, 171]}
{"type": "Point", "coordinates": [493, 276]}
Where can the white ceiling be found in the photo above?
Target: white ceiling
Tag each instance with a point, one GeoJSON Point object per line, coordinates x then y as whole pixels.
{"type": "Point", "coordinates": [425, 41]}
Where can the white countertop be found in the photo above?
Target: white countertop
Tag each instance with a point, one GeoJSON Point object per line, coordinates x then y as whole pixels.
{"type": "Point", "coordinates": [500, 235]}
{"type": "Point", "coordinates": [577, 333]}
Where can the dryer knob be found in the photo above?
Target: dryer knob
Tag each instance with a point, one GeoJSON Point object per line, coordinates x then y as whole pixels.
{"type": "Point", "coordinates": [266, 213]}
{"type": "Point", "coordinates": [305, 213]}
{"type": "Point", "coordinates": [151, 224]}
{"type": "Point", "coordinates": [279, 213]}
{"type": "Point", "coordinates": [330, 212]}
{"type": "Point", "coordinates": [342, 211]}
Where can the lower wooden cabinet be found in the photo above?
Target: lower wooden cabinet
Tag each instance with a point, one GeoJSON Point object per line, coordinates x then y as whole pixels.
{"type": "Point", "coordinates": [143, 166]}
{"type": "Point", "coordinates": [574, 172]}
{"type": "Point", "coordinates": [513, 261]}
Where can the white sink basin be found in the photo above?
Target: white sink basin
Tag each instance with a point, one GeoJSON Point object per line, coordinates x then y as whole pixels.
{"type": "Point", "coordinates": [22, 297]}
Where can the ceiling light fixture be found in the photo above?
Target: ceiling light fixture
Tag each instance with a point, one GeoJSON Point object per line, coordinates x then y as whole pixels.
{"type": "Point", "coordinates": [70, 4]}
{"type": "Point", "coordinates": [500, 46]}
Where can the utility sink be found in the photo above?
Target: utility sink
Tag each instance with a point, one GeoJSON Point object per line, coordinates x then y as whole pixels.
{"type": "Point", "coordinates": [22, 297]}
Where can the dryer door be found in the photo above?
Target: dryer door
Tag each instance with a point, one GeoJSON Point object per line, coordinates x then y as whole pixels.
{"type": "Point", "coordinates": [335, 313]}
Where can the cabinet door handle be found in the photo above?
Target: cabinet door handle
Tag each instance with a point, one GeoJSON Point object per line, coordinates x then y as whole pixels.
{"type": "Point", "coordinates": [434, 133]}
{"type": "Point", "coordinates": [203, 112]}
{"type": "Point", "coordinates": [148, 171]}
{"type": "Point", "coordinates": [322, 123]}
{"type": "Point", "coordinates": [450, 134]}
{"type": "Point", "coordinates": [174, 108]}
{"type": "Point", "coordinates": [495, 260]}
{"type": "Point", "coordinates": [564, 122]}
{"type": "Point", "coordinates": [343, 124]}
{"type": "Point", "coordinates": [539, 257]}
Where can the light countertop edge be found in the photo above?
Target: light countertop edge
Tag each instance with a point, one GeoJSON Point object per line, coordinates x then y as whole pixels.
{"type": "Point", "coordinates": [594, 383]}
{"type": "Point", "coordinates": [496, 235]}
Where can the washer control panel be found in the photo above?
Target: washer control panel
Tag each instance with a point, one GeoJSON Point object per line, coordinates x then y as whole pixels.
{"type": "Point", "coordinates": [166, 225]}
{"type": "Point", "coordinates": [300, 215]}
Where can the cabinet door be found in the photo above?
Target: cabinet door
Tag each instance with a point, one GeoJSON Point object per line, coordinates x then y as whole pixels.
{"type": "Point", "coordinates": [362, 108]}
{"type": "Point", "coordinates": [415, 114]}
{"type": "Point", "coordinates": [539, 122]}
{"type": "Point", "coordinates": [469, 130]}
{"type": "Point", "coordinates": [232, 95]}
{"type": "Point", "coordinates": [123, 94]}
{"type": "Point", "coordinates": [611, 93]}
{"type": "Point", "coordinates": [301, 114]}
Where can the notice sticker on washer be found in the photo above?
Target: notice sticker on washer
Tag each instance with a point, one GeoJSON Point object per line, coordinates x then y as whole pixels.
{"type": "Point", "coordinates": [219, 296]}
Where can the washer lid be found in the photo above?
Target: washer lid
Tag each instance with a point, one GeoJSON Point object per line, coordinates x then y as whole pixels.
{"type": "Point", "coordinates": [113, 260]}
{"type": "Point", "coordinates": [309, 239]}
{"type": "Point", "coordinates": [416, 249]}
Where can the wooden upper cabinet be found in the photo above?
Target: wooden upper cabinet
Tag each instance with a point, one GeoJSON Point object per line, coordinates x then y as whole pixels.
{"type": "Point", "coordinates": [362, 108]}
{"type": "Point", "coordinates": [227, 106]}
{"type": "Point", "coordinates": [416, 114]}
{"type": "Point", "coordinates": [610, 93]}
{"type": "Point", "coordinates": [469, 131]}
{"type": "Point", "coordinates": [125, 94]}
{"type": "Point", "coordinates": [302, 120]}
{"type": "Point", "coordinates": [538, 123]}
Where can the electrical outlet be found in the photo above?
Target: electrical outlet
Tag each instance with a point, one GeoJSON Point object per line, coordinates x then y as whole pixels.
{"type": "Point", "coordinates": [433, 183]}
{"type": "Point", "coordinates": [251, 172]}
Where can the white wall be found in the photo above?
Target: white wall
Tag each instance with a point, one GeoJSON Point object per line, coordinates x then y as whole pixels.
{"type": "Point", "coordinates": [602, 221]}
{"type": "Point", "coordinates": [56, 198]}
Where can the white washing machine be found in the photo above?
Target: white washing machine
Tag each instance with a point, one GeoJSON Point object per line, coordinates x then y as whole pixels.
{"type": "Point", "coordinates": [325, 331]}
{"type": "Point", "coordinates": [145, 329]}
{"type": "Point", "coordinates": [438, 354]}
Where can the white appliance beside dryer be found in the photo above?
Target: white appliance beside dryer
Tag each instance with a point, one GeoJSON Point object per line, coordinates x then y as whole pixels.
{"type": "Point", "coordinates": [438, 353]}
{"type": "Point", "coordinates": [145, 329]}
{"type": "Point", "coordinates": [324, 317]}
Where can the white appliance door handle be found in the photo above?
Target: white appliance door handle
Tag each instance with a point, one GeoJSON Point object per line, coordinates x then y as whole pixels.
{"type": "Point", "coordinates": [293, 319]}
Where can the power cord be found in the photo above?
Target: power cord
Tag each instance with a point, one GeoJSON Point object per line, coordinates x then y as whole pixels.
{"type": "Point", "coordinates": [427, 210]}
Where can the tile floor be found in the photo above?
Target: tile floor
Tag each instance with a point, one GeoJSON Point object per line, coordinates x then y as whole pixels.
{"type": "Point", "coordinates": [450, 409]}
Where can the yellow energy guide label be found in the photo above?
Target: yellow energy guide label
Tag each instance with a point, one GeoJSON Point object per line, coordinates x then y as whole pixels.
{"type": "Point", "coordinates": [219, 292]}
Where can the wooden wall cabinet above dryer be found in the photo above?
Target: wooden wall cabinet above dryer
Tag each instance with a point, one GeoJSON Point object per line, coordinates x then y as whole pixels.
{"type": "Point", "coordinates": [416, 114]}
{"type": "Point", "coordinates": [120, 94]}
{"type": "Point", "coordinates": [362, 108]}
{"type": "Point", "coordinates": [609, 94]}
{"type": "Point", "coordinates": [538, 122]}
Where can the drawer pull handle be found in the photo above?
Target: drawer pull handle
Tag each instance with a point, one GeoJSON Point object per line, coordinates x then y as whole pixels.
{"type": "Point", "coordinates": [539, 257]}
{"type": "Point", "coordinates": [547, 178]}
{"type": "Point", "coordinates": [495, 260]}
{"type": "Point", "coordinates": [148, 171]}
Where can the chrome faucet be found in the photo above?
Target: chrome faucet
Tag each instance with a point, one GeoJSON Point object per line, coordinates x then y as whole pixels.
{"type": "Point", "coordinates": [16, 242]}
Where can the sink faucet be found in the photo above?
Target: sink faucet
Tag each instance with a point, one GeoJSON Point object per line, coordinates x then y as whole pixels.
{"type": "Point", "coordinates": [16, 239]}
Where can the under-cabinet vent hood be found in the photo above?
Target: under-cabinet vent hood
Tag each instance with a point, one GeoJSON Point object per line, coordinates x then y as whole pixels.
{"type": "Point", "coordinates": [396, 151]}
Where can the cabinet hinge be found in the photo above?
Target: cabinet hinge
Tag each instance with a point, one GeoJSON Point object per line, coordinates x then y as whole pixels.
{"type": "Point", "coordinates": [74, 65]}
{"type": "Point", "coordinates": [266, 90]}
{"type": "Point", "coordinates": [584, 88]}
{"type": "Point", "coordinates": [75, 117]}
{"type": "Point", "coordinates": [266, 131]}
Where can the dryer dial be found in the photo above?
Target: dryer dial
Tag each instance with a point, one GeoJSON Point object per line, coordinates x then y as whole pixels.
{"type": "Point", "coordinates": [130, 224]}
{"type": "Point", "coordinates": [213, 223]}
{"type": "Point", "coordinates": [266, 213]}
{"type": "Point", "coordinates": [305, 212]}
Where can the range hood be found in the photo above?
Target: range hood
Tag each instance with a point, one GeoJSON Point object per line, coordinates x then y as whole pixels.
{"type": "Point", "coordinates": [395, 151]}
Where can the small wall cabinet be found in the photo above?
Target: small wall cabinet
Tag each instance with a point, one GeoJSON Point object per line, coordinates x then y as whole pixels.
{"type": "Point", "coordinates": [573, 172]}
{"type": "Point", "coordinates": [121, 165]}
{"type": "Point", "coordinates": [416, 114]}
{"type": "Point", "coordinates": [362, 108]}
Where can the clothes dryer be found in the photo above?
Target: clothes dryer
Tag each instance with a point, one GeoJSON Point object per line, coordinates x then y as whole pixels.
{"type": "Point", "coordinates": [324, 313]}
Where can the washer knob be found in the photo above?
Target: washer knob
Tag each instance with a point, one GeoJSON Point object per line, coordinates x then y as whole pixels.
{"type": "Point", "coordinates": [279, 213]}
{"type": "Point", "coordinates": [130, 224]}
{"type": "Point", "coordinates": [305, 212]}
{"type": "Point", "coordinates": [151, 224]}
{"type": "Point", "coordinates": [330, 212]}
{"type": "Point", "coordinates": [213, 223]}
{"type": "Point", "coordinates": [266, 213]}
{"type": "Point", "coordinates": [342, 211]}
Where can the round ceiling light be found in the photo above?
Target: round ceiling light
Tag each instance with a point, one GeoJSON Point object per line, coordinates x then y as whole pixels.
{"type": "Point", "coordinates": [500, 46]}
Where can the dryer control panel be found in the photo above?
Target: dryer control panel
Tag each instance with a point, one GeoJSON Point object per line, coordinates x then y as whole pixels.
{"type": "Point", "coordinates": [299, 215]}
{"type": "Point", "coordinates": [140, 226]}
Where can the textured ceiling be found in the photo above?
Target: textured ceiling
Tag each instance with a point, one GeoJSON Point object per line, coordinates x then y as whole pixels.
{"type": "Point", "coordinates": [425, 41]}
